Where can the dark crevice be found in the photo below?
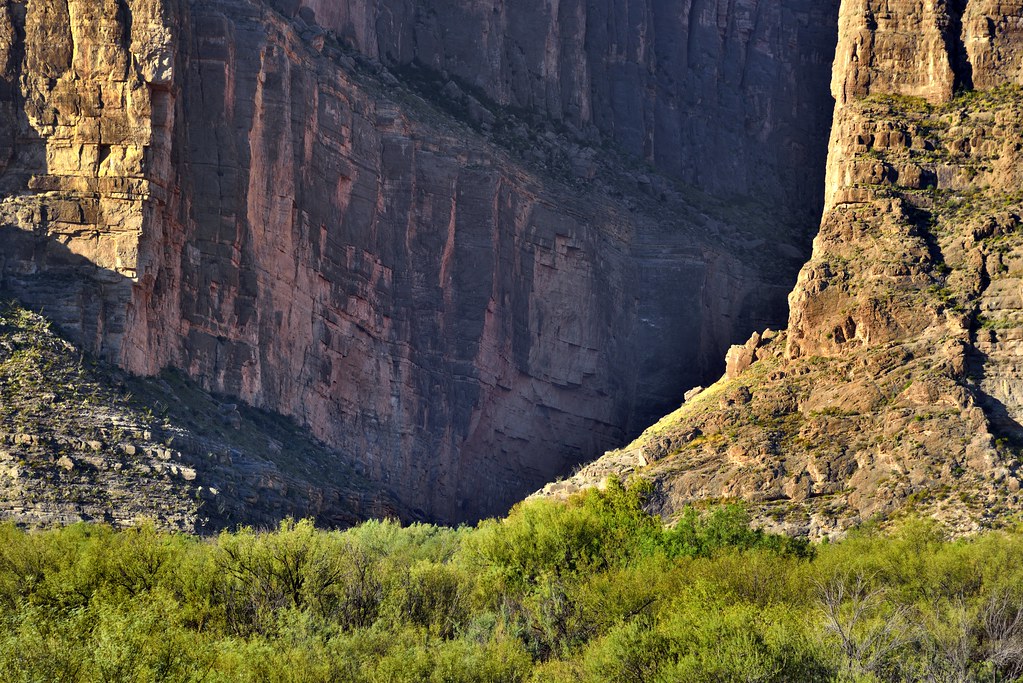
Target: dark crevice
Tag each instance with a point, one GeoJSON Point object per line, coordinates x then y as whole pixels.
{"type": "Point", "coordinates": [959, 58]}
{"type": "Point", "coordinates": [12, 107]}
{"type": "Point", "coordinates": [1002, 423]}
{"type": "Point", "coordinates": [125, 20]}
{"type": "Point", "coordinates": [10, 68]}
{"type": "Point", "coordinates": [922, 222]}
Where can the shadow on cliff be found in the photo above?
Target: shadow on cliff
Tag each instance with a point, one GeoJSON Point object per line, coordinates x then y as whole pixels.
{"type": "Point", "coordinates": [86, 301]}
{"type": "Point", "coordinates": [1003, 424]}
{"type": "Point", "coordinates": [955, 44]}
{"type": "Point", "coordinates": [12, 116]}
{"type": "Point", "coordinates": [261, 466]}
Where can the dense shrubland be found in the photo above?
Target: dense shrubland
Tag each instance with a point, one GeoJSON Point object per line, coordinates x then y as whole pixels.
{"type": "Point", "coordinates": [592, 590]}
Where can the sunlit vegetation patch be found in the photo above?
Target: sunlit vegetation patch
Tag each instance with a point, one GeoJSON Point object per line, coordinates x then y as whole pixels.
{"type": "Point", "coordinates": [591, 590]}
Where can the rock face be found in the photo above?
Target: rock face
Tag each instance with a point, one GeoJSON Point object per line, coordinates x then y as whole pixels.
{"type": "Point", "coordinates": [722, 94]}
{"type": "Point", "coordinates": [409, 240]}
{"type": "Point", "coordinates": [926, 48]}
{"type": "Point", "coordinates": [897, 383]}
{"type": "Point", "coordinates": [84, 145]}
{"type": "Point", "coordinates": [886, 151]}
{"type": "Point", "coordinates": [82, 441]}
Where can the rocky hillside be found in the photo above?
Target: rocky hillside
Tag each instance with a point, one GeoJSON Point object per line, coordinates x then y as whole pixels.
{"type": "Point", "coordinates": [898, 380]}
{"type": "Point", "coordinates": [465, 264]}
{"type": "Point", "coordinates": [80, 440]}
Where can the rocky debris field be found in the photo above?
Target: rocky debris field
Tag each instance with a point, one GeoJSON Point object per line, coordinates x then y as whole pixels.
{"type": "Point", "coordinates": [80, 440]}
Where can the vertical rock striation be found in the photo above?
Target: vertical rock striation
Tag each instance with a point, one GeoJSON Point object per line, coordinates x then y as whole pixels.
{"type": "Point", "coordinates": [225, 188]}
{"type": "Point", "coordinates": [724, 94]}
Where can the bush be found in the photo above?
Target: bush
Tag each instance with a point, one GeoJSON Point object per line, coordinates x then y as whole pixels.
{"type": "Point", "coordinates": [592, 590]}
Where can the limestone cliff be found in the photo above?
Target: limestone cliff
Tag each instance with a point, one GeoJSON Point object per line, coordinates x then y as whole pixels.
{"type": "Point", "coordinates": [465, 265]}
{"type": "Point", "coordinates": [897, 382]}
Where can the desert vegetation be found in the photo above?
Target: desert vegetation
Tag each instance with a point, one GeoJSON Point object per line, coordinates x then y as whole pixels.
{"type": "Point", "coordinates": [590, 590]}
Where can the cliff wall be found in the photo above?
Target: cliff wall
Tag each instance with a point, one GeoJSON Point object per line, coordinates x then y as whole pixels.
{"type": "Point", "coordinates": [233, 191]}
{"type": "Point", "coordinates": [723, 94]}
{"type": "Point", "coordinates": [897, 382]}
{"type": "Point", "coordinates": [935, 51]}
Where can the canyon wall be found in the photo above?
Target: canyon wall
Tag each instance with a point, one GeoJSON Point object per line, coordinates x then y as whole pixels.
{"type": "Point", "coordinates": [897, 384]}
{"type": "Point", "coordinates": [262, 200]}
{"type": "Point", "coordinates": [725, 95]}
{"type": "Point", "coordinates": [888, 51]}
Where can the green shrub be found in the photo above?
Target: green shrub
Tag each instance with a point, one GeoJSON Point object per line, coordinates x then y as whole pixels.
{"type": "Point", "coordinates": [592, 590]}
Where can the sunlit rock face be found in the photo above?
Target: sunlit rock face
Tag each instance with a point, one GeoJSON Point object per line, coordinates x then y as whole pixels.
{"type": "Point", "coordinates": [898, 384]}
{"type": "Point", "coordinates": [887, 52]}
{"type": "Point", "coordinates": [270, 198]}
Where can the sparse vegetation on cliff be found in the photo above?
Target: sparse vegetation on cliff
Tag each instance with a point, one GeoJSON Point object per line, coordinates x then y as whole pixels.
{"type": "Point", "coordinates": [894, 386]}
{"type": "Point", "coordinates": [589, 590]}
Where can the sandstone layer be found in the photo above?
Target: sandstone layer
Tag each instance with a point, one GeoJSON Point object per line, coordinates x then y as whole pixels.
{"type": "Point", "coordinates": [897, 383]}
{"type": "Point", "coordinates": [467, 283]}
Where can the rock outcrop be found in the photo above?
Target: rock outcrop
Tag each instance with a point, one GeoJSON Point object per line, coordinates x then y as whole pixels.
{"type": "Point", "coordinates": [897, 383]}
{"type": "Point", "coordinates": [423, 247]}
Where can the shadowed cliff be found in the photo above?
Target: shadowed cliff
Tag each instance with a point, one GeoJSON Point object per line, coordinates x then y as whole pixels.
{"type": "Point", "coordinates": [465, 287]}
